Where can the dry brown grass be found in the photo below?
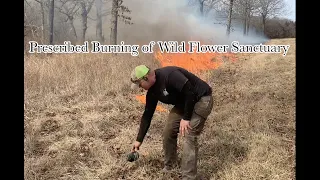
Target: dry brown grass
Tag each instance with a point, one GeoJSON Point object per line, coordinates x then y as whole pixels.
{"type": "Point", "coordinates": [81, 118]}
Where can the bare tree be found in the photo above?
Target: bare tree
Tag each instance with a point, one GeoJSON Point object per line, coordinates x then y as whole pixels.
{"type": "Point", "coordinates": [51, 18]}
{"type": "Point", "coordinates": [229, 17]}
{"type": "Point", "coordinates": [69, 8]}
{"type": "Point", "coordinates": [118, 10]}
{"type": "Point", "coordinates": [86, 6]}
{"type": "Point", "coordinates": [247, 6]}
{"type": "Point", "coordinates": [42, 5]}
{"type": "Point", "coordinates": [251, 9]}
{"type": "Point", "coordinates": [28, 27]}
{"type": "Point", "coordinates": [201, 3]}
{"type": "Point", "coordinates": [99, 20]}
{"type": "Point", "coordinates": [245, 10]}
{"type": "Point", "coordinates": [34, 23]}
{"type": "Point", "coordinates": [205, 6]}
{"type": "Point", "coordinates": [269, 8]}
{"type": "Point", "coordinates": [100, 13]}
{"type": "Point", "coordinates": [209, 5]}
{"type": "Point", "coordinates": [114, 22]}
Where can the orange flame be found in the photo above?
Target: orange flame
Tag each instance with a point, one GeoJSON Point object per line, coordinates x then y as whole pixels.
{"type": "Point", "coordinates": [197, 63]}
{"type": "Point", "coordinates": [142, 99]}
{"type": "Point", "coordinates": [194, 62]}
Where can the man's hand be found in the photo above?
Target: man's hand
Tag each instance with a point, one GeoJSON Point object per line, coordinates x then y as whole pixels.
{"type": "Point", "coordinates": [136, 146]}
{"type": "Point", "coordinates": [184, 126]}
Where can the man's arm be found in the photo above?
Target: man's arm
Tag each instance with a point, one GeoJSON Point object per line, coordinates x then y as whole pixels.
{"type": "Point", "coordinates": [183, 85]}
{"type": "Point", "coordinates": [150, 107]}
{"type": "Point", "coordinates": [190, 101]}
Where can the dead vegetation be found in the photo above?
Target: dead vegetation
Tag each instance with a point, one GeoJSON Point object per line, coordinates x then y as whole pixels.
{"type": "Point", "coordinates": [81, 118]}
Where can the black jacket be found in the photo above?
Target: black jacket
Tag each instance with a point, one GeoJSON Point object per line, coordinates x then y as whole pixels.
{"type": "Point", "coordinates": [176, 86]}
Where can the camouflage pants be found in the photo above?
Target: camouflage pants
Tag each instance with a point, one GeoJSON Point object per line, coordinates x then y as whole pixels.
{"type": "Point", "coordinates": [202, 110]}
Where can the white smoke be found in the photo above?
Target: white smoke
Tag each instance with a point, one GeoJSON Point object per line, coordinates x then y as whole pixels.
{"type": "Point", "coordinates": [175, 20]}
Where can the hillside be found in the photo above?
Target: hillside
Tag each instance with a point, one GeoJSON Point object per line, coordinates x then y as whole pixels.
{"type": "Point", "coordinates": [81, 119]}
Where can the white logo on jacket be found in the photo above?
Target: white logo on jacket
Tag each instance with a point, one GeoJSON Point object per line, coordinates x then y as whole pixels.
{"type": "Point", "coordinates": [165, 92]}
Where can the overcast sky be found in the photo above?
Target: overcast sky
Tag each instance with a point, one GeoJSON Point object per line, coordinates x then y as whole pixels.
{"type": "Point", "coordinates": [292, 8]}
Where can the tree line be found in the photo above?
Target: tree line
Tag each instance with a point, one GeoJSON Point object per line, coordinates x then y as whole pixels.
{"type": "Point", "coordinates": [41, 17]}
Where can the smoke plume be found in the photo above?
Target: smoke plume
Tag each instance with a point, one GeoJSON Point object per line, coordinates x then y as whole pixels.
{"type": "Point", "coordinates": [175, 20]}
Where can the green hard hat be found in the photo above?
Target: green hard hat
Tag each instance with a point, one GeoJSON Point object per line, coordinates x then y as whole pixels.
{"type": "Point", "coordinates": [138, 73]}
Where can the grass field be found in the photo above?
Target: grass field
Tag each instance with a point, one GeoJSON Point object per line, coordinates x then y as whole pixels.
{"type": "Point", "coordinates": [81, 119]}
